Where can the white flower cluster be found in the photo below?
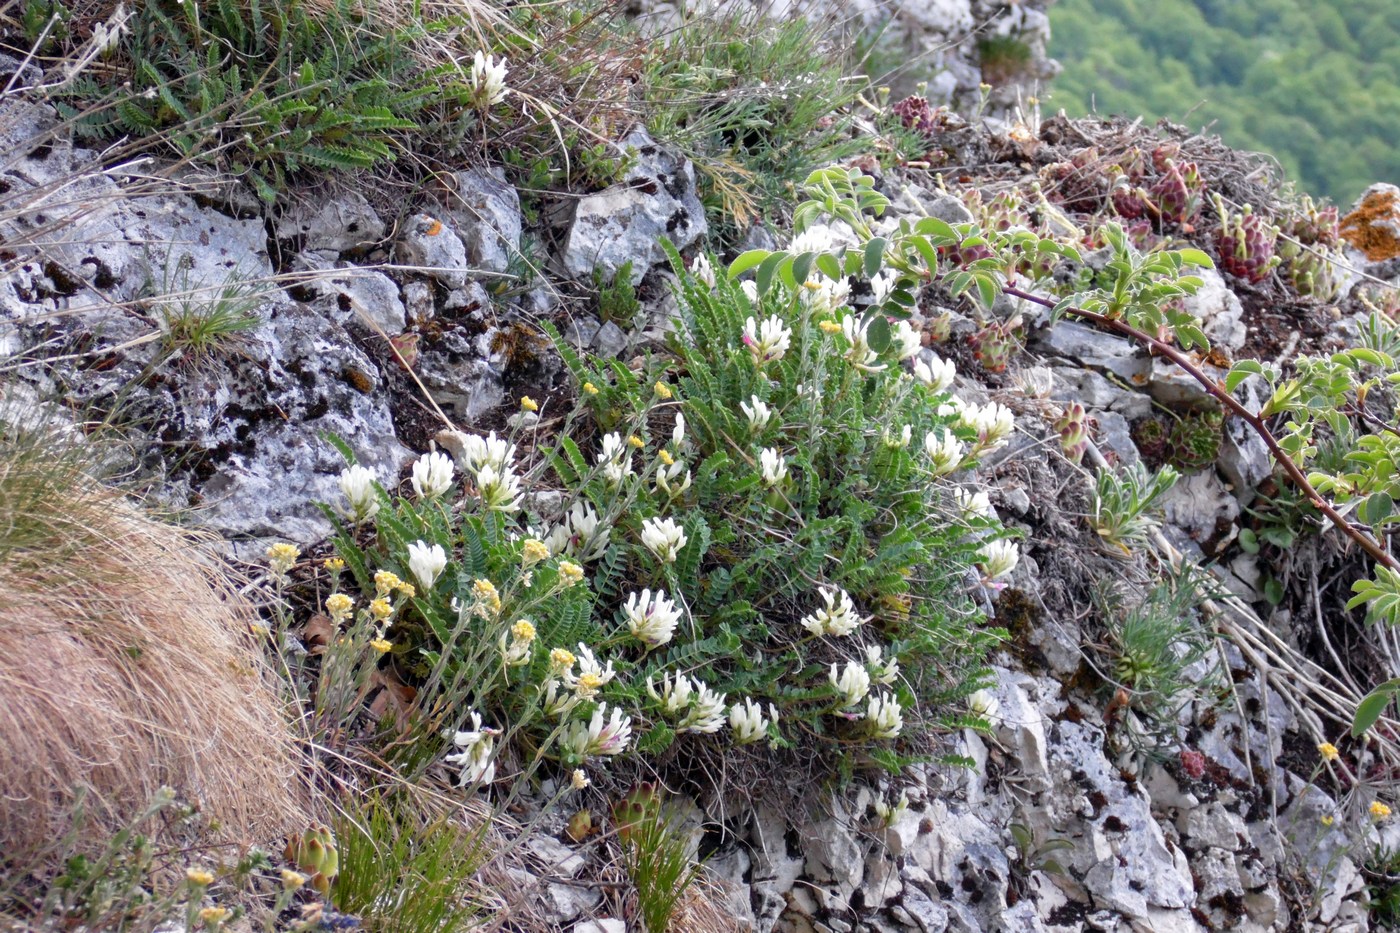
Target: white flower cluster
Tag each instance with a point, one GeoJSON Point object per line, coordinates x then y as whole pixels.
{"type": "Point", "coordinates": [491, 462]}
{"type": "Point", "coordinates": [477, 757]}
{"type": "Point", "coordinates": [664, 538]}
{"type": "Point", "coordinates": [651, 618]}
{"type": "Point", "coordinates": [615, 459]}
{"type": "Point", "coordinates": [993, 423]}
{"type": "Point", "coordinates": [582, 534]}
{"type": "Point", "coordinates": [488, 80]}
{"type": "Point", "coordinates": [694, 706]}
{"type": "Point", "coordinates": [767, 341]}
{"type": "Point", "coordinates": [838, 617]}
{"type": "Point", "coordinates": [426, 562]}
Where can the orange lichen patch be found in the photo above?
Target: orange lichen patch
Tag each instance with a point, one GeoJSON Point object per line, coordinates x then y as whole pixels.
{"type": "Point", "coordinates": [1374, 227]}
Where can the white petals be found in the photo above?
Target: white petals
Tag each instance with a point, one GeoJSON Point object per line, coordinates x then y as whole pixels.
{"type": "Point", "coordinates": [432, 475]}
{"type": "Point", "coordinates": [357, 483]}
{"type": "Point", "coordinates": [664, 538]}
{"type": "Point", "coordinates": [651, 619]}
{"type": "Point", "coordinates": [838, 617]}
{"type": "Point", "coordinates": [773, 466]}
{"type": "Point", "coordinates": [936, 373]}
{"type": "Point", "coordinates": [426, 563]}
{"type": "Point", "coordinates": [767, 341]}
{"type": "Point", "coordinates": [488, 80]}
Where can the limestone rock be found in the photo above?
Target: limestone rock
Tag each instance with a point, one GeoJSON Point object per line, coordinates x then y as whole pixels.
{"type": "Point", "coordinates": [485, 209]}
{"type": "Point", "coordinates": [626, 222]}
{"type": "Point", "coordinates": [343, 224]}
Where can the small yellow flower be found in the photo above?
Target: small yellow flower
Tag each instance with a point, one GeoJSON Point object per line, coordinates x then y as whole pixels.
{"type": "Point", "coordinates": [533, 551]}
{"type": "Point", "coordinates": [259, 629]}
{"type": "Point", "coordinates": [662, 390]}
{"type": "Point", "coordinates": [561, 659]}
{"type": "Point", "coordinates": [812, 285]}
{"type": "Point", "coordinates": [524, 630]}
{"type": "Point", "coordinates": [570, 573]}
{"type": "Point", "coordinates": [334, 564]}
{"type": "Point", "coordinates": [1328, 821]}
{"type": "Point", "coordinates": [487, 596]}
{"type": "Point", "coordinates": [830, 327]}
{"type": "Point", "coordinates": [407, 590]}
{"type": "Point", "coordinates": [292, 880]}
{"type": "Point", "coordinates": [636, 441]}
{"type": "Point", "coordinates": [281, 557]}
{"type": "Point", "coordinates": [1379, 811]}
{"type": "Point", "coordinates": [213, 916]}
{"type": "Point", "coordinates": [385, 582]}
{"type": "Point", "coordinates": [380, 608]}
{"type": "Point", "coordinates": [528, 404]}
{"type": "Point", "coordinates": [579, 780]}
{"type": "Point", "coordinates": [590, 388]}
{"type": "Point", "coordinates": [665, 457]}
{"type": "Point", "coordinates": [1328, 751]}
{"type": "Point", "coordinates": [339, 606]}
{"type": "Point", "coordinates": [382, 645]}
{"type": "Point", "coordinates": [588, 685]}
{"type": "Point", "coordinates": [199, 876]}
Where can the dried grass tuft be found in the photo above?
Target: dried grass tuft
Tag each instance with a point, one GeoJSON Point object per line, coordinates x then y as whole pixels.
{"type": "Point", "coordinates": [125, 664]}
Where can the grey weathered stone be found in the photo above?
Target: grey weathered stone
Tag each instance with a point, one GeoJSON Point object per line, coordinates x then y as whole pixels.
{"type": "Point", "coordinates": [1095, 349]}
{"type": "Point", "coordinates": [1114, 436]}
{"type": "Point", "coordinates": [609, 340]}
{"type": "Point", "coordinates": [432, 247]}
{"type": "Point", "coordinates": [485, 209]}
{"type": "Point", "coordinates": [626, 222]}
{"type": "Point", "coordinates": [1173, 386]}
{"type": "Point", "coordinates": [1200, 506]}
{"type": "Point", "coordinates": [350, 294]}
{"type": "Point", "coordinates": [1219, 310]}
{"type": "Point", "coordinates": [342, 224]}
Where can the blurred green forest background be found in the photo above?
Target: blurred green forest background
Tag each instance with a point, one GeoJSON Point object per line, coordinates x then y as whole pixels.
{"type": "Point", "coordinates": [1315, 83]}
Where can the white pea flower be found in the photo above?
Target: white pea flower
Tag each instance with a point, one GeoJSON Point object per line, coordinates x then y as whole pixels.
{"type": "Point", "coordinates": [822, 295]}
{"type": "Point", "coordinates": [900, 440]}
{"type": "Point", "coordinates": [750, 289]}
{"type": "Point", "coordinates": [889, 814]}
{"type": "Point", "coordinates": [883, 716]}
{"type": "Point", "coordinates": [499, 490]}
{"type": "Point", "coordinates": [556, 702]}
{"type": "Point", "coordinates": [757, 412]}
{"type": "Point", "coordinates": [838, 617]}
{"type": "Point", "coordinates": [973, 503]}
{"type": "Point", "coordinates": [664, 538]}
{"type": "Point", "coordinates": [587, 535]}
{"type": "Point", "coordinates": [768, 341]}
{"type": "Point", "coordinates": [945, 453]}
{"type": "Point", "coordinates": [357, 483]}
{"type": "Point", "coordinates": [936, 373]}
{"type": "Point", "coordinates": [675, 693]}
{"type": "Point", "coordinates": [592, 676]}
{"type": "Point", "coordinates": [703, 271]}
{"type": "Point", "coordinates": [773, 466]}
{"type": "Point", "coordinates": [983, 703]}
{"type": "Point", "coordinates": [558, 539]}
{"type": "Point", "coordinates": [488, 80]}
{"type": "Point", "coordinates": [853, 683]}
{"type": "Point", "coordinates": [998, 558]}
{"type": "Point", "coordinates": [883, 285]}
{"type": "Point", "coordinates": [477, 758]}
{"type": "Point", "coordinates": [952, 407]}
{"type": "Point", "coordinates": [432, 475]}
{"type": "Point", "coordinates": [616, 459]}
{"type": "Point", "coordinates": [651, 619]}
{"type": "Point", "coordinates": [993, 423]}
{"type": "Point", "coordinates": [472, 451]}
{"type": "Point", "coordinates": [857, 334]}
{"type": "Point", "coordinates": [905, 340]}
{"type": "Point", "coordinates": [882, 670]}
{"type": "Point", "coordinates": [747, 722]}
{"type": "Point", "coordinates": [579, 780]}
{"type": "Point", "coordinates": [426, 563]}
{"type": "Point", "coordinates": [602, 735]}
{"type": "Point", "coordinates": [696, 707]}
{"type": "Point", "coordinates": [816, 239]}
{"type": "Point", "coordinates": [666, 475]}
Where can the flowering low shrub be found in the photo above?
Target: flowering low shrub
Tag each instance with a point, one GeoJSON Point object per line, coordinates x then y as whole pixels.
{"type": "Point", "coordinates": [754, 539]}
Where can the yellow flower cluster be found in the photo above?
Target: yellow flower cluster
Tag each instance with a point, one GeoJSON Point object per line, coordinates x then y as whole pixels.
{"type": "Point", "coordinates": [590, 388]}
{"type": "Point", "coordinates": [663, 391]}
{"type": "Point", "coordinates": [382, 645]}
{"type": "Point", "coordinates": [830, 327]}
{"type": "Point", "coordinates": [380, 609]}
{"type": "Point", "coordinates": [1379, 811]}
{"type": "Point", "coordinates": [199, 876]}
{"type": "Point", "coordinates": [334, 564]}
{"type": "Point", "coordinates": [528, 404]}
{"type": "Point", "coordinates": [533, 551]}
{"type": "Point", "coordinates": [339, 606]}
{"type": "Point", "coordinates": [1328, 751]}
{"type": "Point", "coordinates": [488, 598]}
{"type": "Point", "coordinates": [570, 573]}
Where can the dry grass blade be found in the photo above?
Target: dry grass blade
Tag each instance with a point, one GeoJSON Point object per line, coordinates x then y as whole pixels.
{"type": "Point", "coordinates": [127, 664]}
